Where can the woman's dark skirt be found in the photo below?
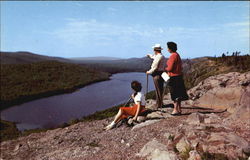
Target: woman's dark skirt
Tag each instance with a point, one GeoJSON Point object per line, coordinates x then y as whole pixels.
{"type": "Point", "coordinates": [177, 88]}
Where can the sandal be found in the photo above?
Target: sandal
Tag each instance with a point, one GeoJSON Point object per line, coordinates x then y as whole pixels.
{"type": "Point", "coordinates": [176, 114]}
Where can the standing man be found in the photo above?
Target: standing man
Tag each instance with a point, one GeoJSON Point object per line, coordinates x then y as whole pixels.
{"type": "Point", "coordinates": [157, 68]}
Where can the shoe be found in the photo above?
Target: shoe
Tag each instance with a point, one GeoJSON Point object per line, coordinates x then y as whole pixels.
{"type": "Point", "coordinates": [109, 127]}
{"type": "Point", "coordinates": [176, 114]}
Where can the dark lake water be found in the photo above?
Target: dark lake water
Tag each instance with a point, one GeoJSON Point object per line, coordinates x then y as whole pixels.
{"type": "Point", "coordinates": [55, 110]}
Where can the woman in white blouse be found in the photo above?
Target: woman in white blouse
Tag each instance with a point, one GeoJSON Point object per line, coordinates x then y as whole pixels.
{"type": "Point", "coordinates": [157, 68]}
{"type": "Point", "coordinates": [135, 110]}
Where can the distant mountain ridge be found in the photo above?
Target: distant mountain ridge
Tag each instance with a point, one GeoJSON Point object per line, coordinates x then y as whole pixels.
{"type": "Point", "coordinates": [23, 57]}
{"type": "Point", "coordinates": [105, 64]}
{"type": "Point", "coordinates": [95, 58]}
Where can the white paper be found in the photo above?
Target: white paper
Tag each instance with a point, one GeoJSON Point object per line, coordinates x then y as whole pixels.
{"type": "Point", "coordinates": [165, 76]}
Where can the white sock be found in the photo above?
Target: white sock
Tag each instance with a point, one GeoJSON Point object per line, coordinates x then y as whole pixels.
{"type": "Point", "coordinates": [112, 123]}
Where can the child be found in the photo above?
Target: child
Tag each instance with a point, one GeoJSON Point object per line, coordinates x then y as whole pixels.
{"type": "Point", "coordinates": [134, 110]}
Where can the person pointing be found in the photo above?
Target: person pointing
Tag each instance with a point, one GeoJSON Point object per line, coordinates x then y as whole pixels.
{"type": "Point", "coordinates": [157, 68]}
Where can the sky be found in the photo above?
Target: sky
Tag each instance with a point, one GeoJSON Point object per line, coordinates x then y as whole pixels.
{"type": "Point", "coordinates": [124, 29]}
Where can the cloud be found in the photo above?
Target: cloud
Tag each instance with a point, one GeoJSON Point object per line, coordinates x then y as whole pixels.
{"type": "Point", "coordinates": [86, 33]}
{"type": "Point", "coordinates": [237, 24]}
{"type": "Point", "coordinates": [78, 4]}
{"type": "Point", "coordinates": [112, 9]}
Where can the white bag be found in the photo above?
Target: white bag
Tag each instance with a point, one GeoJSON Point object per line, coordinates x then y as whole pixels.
{"type": "Point", "coordinates": [165, 76]}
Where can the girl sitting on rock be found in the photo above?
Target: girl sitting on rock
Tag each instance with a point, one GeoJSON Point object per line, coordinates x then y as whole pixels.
{"type": "Point", "coordinates": [135, 110]}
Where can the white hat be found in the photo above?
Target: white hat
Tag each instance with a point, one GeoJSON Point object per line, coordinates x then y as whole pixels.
{"type": "Point", "coordinates": [157, 47]}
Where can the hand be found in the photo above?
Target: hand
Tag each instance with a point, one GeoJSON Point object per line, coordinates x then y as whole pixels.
{"type": "Point", "coordinates": [147, 72]}
{"type": "Point", "coordinates": [134, 118]}
{"type": "Point", "coordinates": [132, 96]}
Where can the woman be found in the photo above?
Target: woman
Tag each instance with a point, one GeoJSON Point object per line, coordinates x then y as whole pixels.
{"type": "Point", "coordinates": [157, 68]}
{"type": "Point", "coordinates": [176, 84]}
{"type": "Point", "coordinates": [135, 110]}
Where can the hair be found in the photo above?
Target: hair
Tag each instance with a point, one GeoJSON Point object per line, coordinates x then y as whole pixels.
{"type": "Point", "coordinates": [172, 46]}
{"type": "Point", "coordinates": [157, 50]}
{"type": "Point", "coordinates": [135, 85]}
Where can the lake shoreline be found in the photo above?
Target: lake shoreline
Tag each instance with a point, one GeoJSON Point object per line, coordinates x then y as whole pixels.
{"type": "Point", "coordinates": [98, 115]}
{"type": "Point", "coordinates": [24, 99]}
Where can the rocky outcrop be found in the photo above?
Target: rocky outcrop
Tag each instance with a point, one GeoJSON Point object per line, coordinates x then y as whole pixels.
{"type": "Point", "coordinates": [199, 133]}
{"type": "Point", "coordinates": [221, 91]}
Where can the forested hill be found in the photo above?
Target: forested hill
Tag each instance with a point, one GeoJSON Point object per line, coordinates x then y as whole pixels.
{"type": "Point", "coordinates": [24, 82]}
{"type": "Point", "coordinates": [111, 65]}
{"type": "Point", "coordinates": [24, 57]}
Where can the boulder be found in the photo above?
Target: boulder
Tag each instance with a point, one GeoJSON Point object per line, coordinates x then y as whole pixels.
{"type": "Point", "coordinates": [146, 123]}
{"type": "Point", "coordinates": [183, 145]}
{"type": "Point", "coordinates": [195, 118]}
{"type": "Point", "coordinates": [151, 104]}
{"type": "Point", "coordinates": [225, 140]}
{"type": "Point", "coordinates": [141, 119]}
{"type": "Point", "coordinates": [212, 118]}
{"type": "Point", "coordinates": [154, 150]}
{"type": "Point", "coordinates": [242, 113]}
{"type": "Point", "coordinates": [155, 115]}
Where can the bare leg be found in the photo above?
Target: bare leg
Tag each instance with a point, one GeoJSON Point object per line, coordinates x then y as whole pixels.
{"type": "Point", "coordinates": [175, 107]}
{"type": "Point", "coordinates": [179, 106]}
{"type": "Point", "coordinates": [118, 116]}
{"type": "Point", "coordinates": [116, 120]}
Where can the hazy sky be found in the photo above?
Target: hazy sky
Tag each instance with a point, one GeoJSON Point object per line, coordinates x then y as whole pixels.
{"type": "Point", "coordinates": [124, 29]}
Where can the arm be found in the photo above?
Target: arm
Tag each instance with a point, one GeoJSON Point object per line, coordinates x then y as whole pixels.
{"type": "Point", "coordinates": [154, 65]}
{"type": "Point", "coordinates": [151, 56]}
{"type": "Point", "coordinates": [170, 63]}
{"type": "Point", "coordinates": [137, 111]}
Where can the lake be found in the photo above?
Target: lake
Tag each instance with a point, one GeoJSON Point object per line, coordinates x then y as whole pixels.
{"type": "Point", "coordinates": [55, 110]}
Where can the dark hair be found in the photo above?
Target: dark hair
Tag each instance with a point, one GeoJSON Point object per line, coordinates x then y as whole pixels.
{"type": "Point", "coordinates": [172, 46]}
{"type": "Point", "coordinates": [135, 85]}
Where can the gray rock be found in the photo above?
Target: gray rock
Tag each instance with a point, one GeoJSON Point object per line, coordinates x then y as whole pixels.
{"type": "Point", "coordinates": [155, 115]}
{"type": "Point", "coordinates": [183, 145]}
{"type": "Point", "coordinates": [246, 150]}
{"type": "Point", "coordinates": [122, 141]}
{"type": "Point", "coordinates": [154, 150]}
{"type": "Point", "coordinates": [151, 104]}
{"type": "Point", "coordinates": [146, 123]}
{"type": "Point", "coordinates": [128, 144]}
{"type": "Point", "coordinates": [213, 118]}
{"type": "Point", "coordinates": [195, 118]}
{"type": "Point", "coordinates": [141, 119]}
{"type": "Point", "coordinates": [229, 139]}
{"type": "Point", "coordinates": [194, 155]}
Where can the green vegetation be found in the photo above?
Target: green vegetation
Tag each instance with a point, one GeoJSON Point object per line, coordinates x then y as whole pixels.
{"type": "Point", "coordinates": [99, 115]}
{"type": "Point", "coordinates": [8, 130]}
{"type": "Point", "coordinates": [213, 156]}
{"type": "Point", "coordinates": [24, 82]}
{"type": "Point", "coordinates": [94, 144]}
{"type": "Point", "coordinates": [200, 69]}
{"type": "Point", "coordinates": [171, 137]}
